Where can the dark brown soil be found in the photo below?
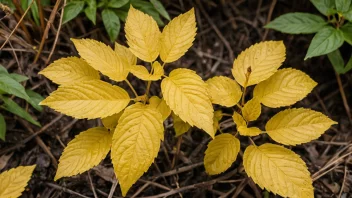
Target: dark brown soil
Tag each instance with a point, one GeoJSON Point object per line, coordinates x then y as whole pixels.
{"type": "Point", "coordinates": [225, 28]}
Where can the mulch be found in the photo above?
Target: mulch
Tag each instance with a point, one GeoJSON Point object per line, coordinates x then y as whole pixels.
{"type": "Point", "coordinates": [225, 28]}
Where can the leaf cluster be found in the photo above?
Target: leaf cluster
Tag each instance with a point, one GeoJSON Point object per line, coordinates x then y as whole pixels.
{"type": "Point", "coordinates": [10, 84]}
{"type": "Point", "coordinates": [113, 11]}
{"type": "Point", "coordinates": [132, 132]}
{"type": "Point", "coordinates": [331, 32]}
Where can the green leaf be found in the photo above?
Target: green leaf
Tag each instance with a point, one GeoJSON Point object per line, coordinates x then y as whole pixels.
{"type": "Point", "coordinates": [91, 10]}
{"type": "Point", "coordinates": [2, 127]}
{"type": "Point", "coordinates": [297, 23]}
{"type": "Point", "coordinates": [121, 14]}
{"type": "Point", "coordinates": [35, 99]}
{"type": "Point", "coordinates": [18, 77]}
{"type": "Point", "coordinates": [342, 5]}
{"type": "Point", "coordinates": [348, 14]}
{"type": "Point", "coordinates": [160, 8]}
{"type": "Point", "coordinates": [35, 12]}
{"type": "Point", "coordinates": [10, 86]}
{"type": "Point", "coordinates": [347, 32]}
{"type": "Point", "coordinates": [348, 66]}
{"type": "Point", "coordinates": [11, 106]}
{"type": "Point", "coordinates": [45, 2]}
{"type": "Point", "coordinates": [112, 23]}
{"type": "Point", "coordinates": [337, 61]}
{"type": "Point", "coordinates": [72, 9]}
{"type": "Point", "coordinates": [3, 70]}
{"type": "Point", "coordinates": [117, 3]}
{"type": "Point", "coordinates": [325, 41]}
{"type": "Point", "coordinates": [149, 9]}
{"type": "Point", "coordinates": [326, 7]}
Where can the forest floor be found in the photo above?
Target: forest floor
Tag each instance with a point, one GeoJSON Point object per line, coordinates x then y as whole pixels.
{"type": "Point", "coordinates": [225, 28]}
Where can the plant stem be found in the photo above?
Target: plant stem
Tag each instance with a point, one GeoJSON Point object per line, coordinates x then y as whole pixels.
{"type": "Point", "coordinates": [252, 141]}
{"type": "Point", "coordinates": [130, 85]}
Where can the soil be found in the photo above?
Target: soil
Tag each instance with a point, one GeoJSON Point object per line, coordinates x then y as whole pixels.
{"type": "Point", "coordinates": [225, 28]}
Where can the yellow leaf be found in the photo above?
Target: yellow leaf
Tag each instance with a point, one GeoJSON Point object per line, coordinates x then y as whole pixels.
{"type": "Point", "coordinates": [221, 153]}
{"type": "Point", "coordinates": [143, 35]}
{"type": "Point", "coordinates": [239, 120]}
{"type": "Point", "coordinates": [14, 181]}
{"type": "Point", "coordinates": [88, 99]}
{"type": "Point", "coordinates": [84, 152]}
{"type": "Point", "coordinates": [252, 110]}
{"type": "Point", "coordinates": [142, 73]}
{"type": "Point", "coordinates": [186, 95]}
{"type": "Point", "coordinates": [160, 105]}
{"type": "Point", "coordinates": [68, 70]}
{"type": "Point", "coordinates": [178, 36]}
{"type": "Point", "coordinates": [278, 170]}
{"type": "Point", "coordinates": [224, 91]}
{"type": "Point", "coordinates": [216, 119]}
{"type": "Point", "coordinates": [261, 59]}
{"type": "Point", "coordinates": [180, 126]}
{"type": "Point", "coordinates": [135, 143]}
{"type": "Point", "coordinates": [284, 88]}
{"type": "Point", "coordinates": [123, 51]}
{"type": "Point", "coordinates": [110, 122]}
{"type": "Point", "coordinates": [102, 58]}
{"type": "Point", "coordinates": [251, 131]}
{"type": "Point", "coordinates": [297, 126]}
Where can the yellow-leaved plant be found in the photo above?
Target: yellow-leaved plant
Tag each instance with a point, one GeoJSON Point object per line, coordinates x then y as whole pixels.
{"type": "Point", "coordinates": [133, 126]}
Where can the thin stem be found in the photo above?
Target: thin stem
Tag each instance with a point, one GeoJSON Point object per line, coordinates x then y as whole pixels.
{"type": "Point", "coordinates": [249, 71]}
{"type": "Point", "coordinates": [243, 95]}
{"type": "Point", "coordinates": [149, 82]}
{"type": "Point", "coordinates": [252, 141]}
{"type": "Point", "coordinates": [226, 114]}
{"type": "Point", "coordinates": [130, 85]}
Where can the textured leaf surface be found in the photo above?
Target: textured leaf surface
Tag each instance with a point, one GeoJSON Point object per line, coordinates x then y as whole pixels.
{"type": "Point", "coordinates": [342, 5]}
{"type": "Point", "coordinates": [123, 51]}
{"type": "Point", "coordinates": [239, 120]}
{"type": "Point", "coordinates": [252, 110]}
{"type": "Point", "coordinates": [261, 59]}
{"type": "Point", "coordinates": [297, 126]}
{"type": "Point", "coordinates": [102, 58]}
{"type": "Point", "coordinates": [284, 88]}
{"type": "Point", "coordinates": [186, 94]}
{"type": "Point", "coordinates": [160, 105]}
{"type": "Point", "coordinates": [347, 32]}
{"type": "Point", "coordinates": [68, 70]}
{"type": "Point", "coordinates": [110, 122]}
{"type": "Point", "coordinates": [180, 126]}
{"type": "Point", "coordinates": [90, 99]}
{"type": "Point", "coordinates": [178, 36]}
{"type": "Point", "coordinates": [135, 143]}
{"type": "Point", "coordinates": [111, 23]}
{"type": "Point", "coordinates": [324, 6]}
{"type": "Point", "coordinates": [84, 152]}
{"type": "Point", "coordinates": [11, 86]}
{"type": "Point", "coordinates": [224, 91]}
{"type": "Point", "coordinates": [221, 153]}
{"type": "Point", "coordinates": [278, 170]}
{"type": "Point", "coordinates": [251, 131]}
{"type": "Point", "coordinates": [142, 73]}
{"type": "Point", "coordinates": [143, 34]}
{"type": "Point", "coordinates": [14, 181]}
{"type": "Point", "coordinates": [325, 41]}
{"type": "Point", "coordinates": [297, 23]}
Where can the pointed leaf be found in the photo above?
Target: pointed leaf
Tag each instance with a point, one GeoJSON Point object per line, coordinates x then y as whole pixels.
{"type": "Point", "coordinates": [123, 51]}
{"type": "Point", "coordinates": [326, 7]}
{"type": "Point", "coordinates": [284, 88]}
{"type": "Point", "coordinates": [72, 9]}
{"type": "Point", "coordinates": [14, 181]}
{"type": "Point", "coordinates": [68, 70]}
{"type": "Point", "coordinates": [251, 131]}
{"type": "Point", "coordinates": [88, 99]}
{"type": "Point", "coordinates": [117, 3]}
{"type": "Point", "coordinates": [11, 106]}
{"type": "Point", "coordinates": [221, 153]}
{"type": "Point", "coordinates": [342, 5]}
{"type": "Point", "coordinates": [142, 35]}
{"type": "Point", "coordinates": [111, 23]}
{"type": "Point", "coordinates": [180, 126]}
{"type": "Point", "coordinates": [160, 8]}
{"type": "Point", "coordinates": [260, 61]}
{"type": "Point", "coordinates": [278, 170]}
{"type": "Point", "coordinates": [239, 120]}
{"type": "Point", "coordinates": [297, 126]}
{"type": "Point", "coordinates": [2, 127]}
{"type": "Point", "coordinates": [142, 73]}
{"type": "Point", "coordinates": [102, 58]}
{"type": "Point", "coordinates": [161, 106]}
{"type": "Point", "coordinates": [17, 77]}
{"type": "Point", "coordinates": [11, 86]}
{"type": "Point", "coordinates": [35, 99]}
{"type": "Point", "coordinates": [186, 95]}
{"type": "Point", "coordinates": [325, 41]}
{"type": "Point", "coordinates": [84, 152]}
{"type": "Point", "coordinates": [178, 36]}
{"type": "Point", "coordinates": [91, 10]}
{"type": "Point", "coordinates": [224, 91]}
{"type": "Point", "coordinates": [347, 32]}
{"type": "Point", "coordinates": [135, 143]}
{"type": "Point", "coordinates": [252, 110]}
{"type": "Point", "coordinates": [110, 122]}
